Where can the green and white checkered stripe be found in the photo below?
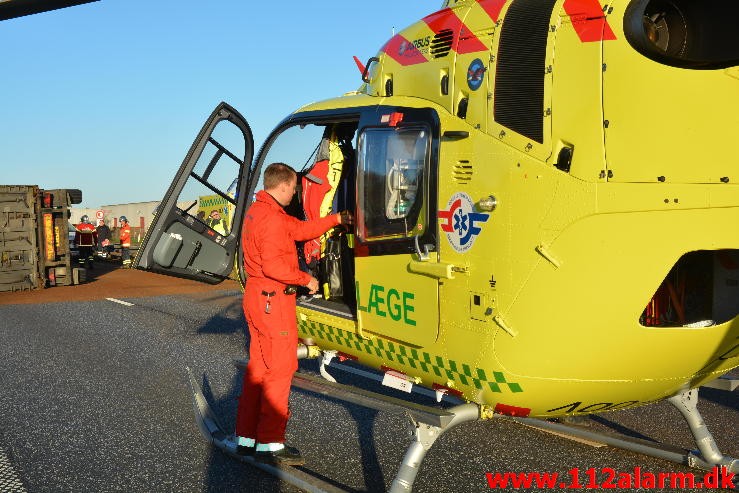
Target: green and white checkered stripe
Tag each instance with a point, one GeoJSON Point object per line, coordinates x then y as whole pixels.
{"type": "Point", "coordinates": [216, 202]}
{"type": "Point", "coordinates": [393, 351]}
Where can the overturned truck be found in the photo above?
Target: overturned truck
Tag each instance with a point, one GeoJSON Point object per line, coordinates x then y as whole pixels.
{"type": "Point", "coordinates": [34, 238]}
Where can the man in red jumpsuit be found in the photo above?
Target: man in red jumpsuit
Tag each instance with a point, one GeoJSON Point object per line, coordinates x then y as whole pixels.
{"type": "Point", "coordinates": [271, 263]}
{"type": "Point", "coordinates": [125, 239]}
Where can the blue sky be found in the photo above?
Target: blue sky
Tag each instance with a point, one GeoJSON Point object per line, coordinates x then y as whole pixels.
{"type": "Point", "coordinates": [107, 96]}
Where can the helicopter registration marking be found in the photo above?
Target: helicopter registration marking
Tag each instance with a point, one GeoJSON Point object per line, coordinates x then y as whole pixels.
{"type": "Point", "coordinates": [577, 407]}
{"type": "Point", "coordinates": [396, 304]}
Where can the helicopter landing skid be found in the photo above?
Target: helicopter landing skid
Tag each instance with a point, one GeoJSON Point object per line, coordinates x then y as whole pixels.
{"type": "Point", "coordinates": [212, 430]}
{"type": "Point", "coordinates": [429, 423]}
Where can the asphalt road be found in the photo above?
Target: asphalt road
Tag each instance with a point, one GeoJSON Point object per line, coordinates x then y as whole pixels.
{"type": "Point", "coordinates": [95, 398]}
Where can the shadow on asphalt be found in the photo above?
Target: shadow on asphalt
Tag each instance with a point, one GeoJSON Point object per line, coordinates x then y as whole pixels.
{"type": "Point", "coordinates": [225, 409]}
{"type": "Point", "coordinates": [223, 324]}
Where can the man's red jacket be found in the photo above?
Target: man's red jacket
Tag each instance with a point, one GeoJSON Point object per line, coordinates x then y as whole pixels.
{"type": "Point", "coordinates": [268, 240]}
{"type": "Point", "coordinates": [86, 235]}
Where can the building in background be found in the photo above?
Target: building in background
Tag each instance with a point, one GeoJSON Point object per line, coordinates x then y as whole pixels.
{"type": "Point", "coordinates": [139, 215]}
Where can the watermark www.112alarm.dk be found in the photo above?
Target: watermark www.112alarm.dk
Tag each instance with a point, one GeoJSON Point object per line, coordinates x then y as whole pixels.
{"type": "Point", "coordinates": [718, 478]}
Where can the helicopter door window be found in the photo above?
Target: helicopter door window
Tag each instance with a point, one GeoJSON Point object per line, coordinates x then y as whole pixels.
{"type": "Point", "coordinates": [392, 164]}
{"type": "Point", "coordinates": [209, 195]}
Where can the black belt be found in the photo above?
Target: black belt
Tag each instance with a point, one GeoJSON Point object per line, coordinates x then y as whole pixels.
{"type": "Point", "coordinates": [289, 289]}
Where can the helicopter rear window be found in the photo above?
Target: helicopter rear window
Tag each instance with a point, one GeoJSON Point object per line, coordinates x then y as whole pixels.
{"type": "Point", "coordinates": [392, 163]}
{"type": "Point", "coordinates": [685, 33]}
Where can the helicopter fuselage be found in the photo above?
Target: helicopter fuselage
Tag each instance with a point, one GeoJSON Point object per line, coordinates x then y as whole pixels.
{"type": "Point", "coordinates": [576, 204]}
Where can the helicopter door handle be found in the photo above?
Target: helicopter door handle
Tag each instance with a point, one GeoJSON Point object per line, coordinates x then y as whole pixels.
{"type": "Point", "coordinates": [438, 270]}
{"type": "Point", "coordinates": [423, 256]}
{"type": "Point", "coordinates": [424, 265]}
{"type": "Point", "coordinates": [198, 246]}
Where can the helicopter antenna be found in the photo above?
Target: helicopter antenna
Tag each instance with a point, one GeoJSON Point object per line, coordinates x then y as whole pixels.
{"type": "Point", "coordinates": [307, 162]}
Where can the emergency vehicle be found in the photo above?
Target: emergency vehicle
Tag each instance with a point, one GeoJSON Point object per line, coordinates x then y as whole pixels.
{"type": "Point", "coordinates": [544, 199]}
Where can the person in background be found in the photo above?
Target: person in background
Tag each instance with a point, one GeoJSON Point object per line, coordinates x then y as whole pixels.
{"type": "Point", "coordinates": [125, 239]}
{"type": "Point", "coordinates": [85, 237]}
{"type": "Point", "coordinates": [103, 232]}
{"type": "Point", "coordinates": [216, 222]}
{"type": "Point", "coordinates": [271, 262]}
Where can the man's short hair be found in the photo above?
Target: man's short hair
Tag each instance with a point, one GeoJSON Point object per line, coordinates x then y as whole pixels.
{"type": "Point", "coordinates": [277, 173]}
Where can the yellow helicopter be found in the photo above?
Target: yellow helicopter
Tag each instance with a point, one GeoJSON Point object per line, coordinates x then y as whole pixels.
{"type": "Point", "coordinates": [545, 205]}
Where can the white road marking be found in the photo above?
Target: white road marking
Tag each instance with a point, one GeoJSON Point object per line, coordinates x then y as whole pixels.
{"type": "Point", "coordinates": [119, 301]}
{"type": "Point", "coordinates": [9, 480]}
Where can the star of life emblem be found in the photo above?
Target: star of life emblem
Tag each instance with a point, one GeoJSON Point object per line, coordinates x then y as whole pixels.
{"type": "Point", "coordinates": [460, 223]}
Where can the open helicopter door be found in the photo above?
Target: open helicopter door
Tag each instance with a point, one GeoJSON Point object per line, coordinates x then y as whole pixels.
{"type": "Point", "coordinates": [195, 233]}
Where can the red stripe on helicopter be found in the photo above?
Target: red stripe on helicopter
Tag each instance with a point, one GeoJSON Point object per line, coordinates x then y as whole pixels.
{"type": "Point", "coordinates": [405, 53]}
{"type": "Point", "coordinates": [402, 51]}
{"type": "Point", "coordinates": [588, 20]}
{"type": "Point", "coordinates": [464, 40]}
{"type": "Point", "coordinates": [512, 410]}
{"type": "Point", "coordinates": [492, 7]}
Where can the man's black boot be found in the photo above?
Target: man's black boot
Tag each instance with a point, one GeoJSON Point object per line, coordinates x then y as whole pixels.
{"type": "Point", "coordinates": [243, 450]}
{"type": "Point", "coordinates": [287, 456]}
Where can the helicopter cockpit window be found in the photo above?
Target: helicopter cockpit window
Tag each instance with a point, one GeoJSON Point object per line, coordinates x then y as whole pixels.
{"type": "Point", "coordinates": [295, 146]}
{"type": "Point", "coordinates": [209, 195]}
{"type": "Point", "coordinates": [392, 163]}
{"type": "Point", "coordinates": [685, 33]}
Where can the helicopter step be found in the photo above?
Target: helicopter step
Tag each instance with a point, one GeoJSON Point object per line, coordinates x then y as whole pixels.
{"type": "Point", "coordinates": [429, 423]}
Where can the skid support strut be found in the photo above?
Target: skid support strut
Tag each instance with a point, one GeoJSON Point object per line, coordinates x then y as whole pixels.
{"type": "Point", "coordinates": [687, 403]}
{"type": "Point", "coordinates": [425, 436]}
{"type": "Point", "coordinates": [706, 457]}
{"type": "Point", "coordinates": [428, 423]}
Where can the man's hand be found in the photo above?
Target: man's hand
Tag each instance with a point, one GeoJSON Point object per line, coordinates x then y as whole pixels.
{"type": "Point", "coordinates": [346, 218]}
{"type": "Point", "coordinates": [312, 285]}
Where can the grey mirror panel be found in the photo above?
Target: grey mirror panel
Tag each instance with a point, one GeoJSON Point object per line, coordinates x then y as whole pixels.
{"type": "Point", "coordinates": [167, 249]}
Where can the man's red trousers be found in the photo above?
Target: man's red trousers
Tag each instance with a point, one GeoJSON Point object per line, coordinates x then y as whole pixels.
{"type": "Point", "coordinates": [263, 406]}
